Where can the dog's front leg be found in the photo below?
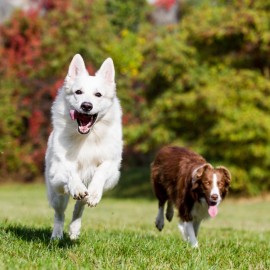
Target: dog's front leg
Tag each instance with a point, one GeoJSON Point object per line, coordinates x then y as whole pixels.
{"type": "Point", "coordinates": [62, 177]}
{"type": "Point", "coordinates": [191, 234]}
{"type": "Point", "coordinates": [182, 228]}
{"type": "Point", "coordinates": [74, 186]}
{"type": "Point", "coordinates": [196, 226]}
{"type": "Point", "coordinates": [105, 177]}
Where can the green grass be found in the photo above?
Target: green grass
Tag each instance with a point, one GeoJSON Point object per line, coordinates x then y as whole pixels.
{"type": "Point", "coordinates": [120, 234]}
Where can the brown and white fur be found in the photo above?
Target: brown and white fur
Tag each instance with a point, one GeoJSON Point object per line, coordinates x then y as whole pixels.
{"type": "Point", "coordinates": [185, 180]}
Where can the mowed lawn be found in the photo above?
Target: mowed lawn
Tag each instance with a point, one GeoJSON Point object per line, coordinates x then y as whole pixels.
{"type": "Point", "coordinates": [120, 234]}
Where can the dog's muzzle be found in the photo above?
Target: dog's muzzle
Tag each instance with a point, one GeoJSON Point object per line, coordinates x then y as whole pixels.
{"type": "Point", "coordinates": [85, 121]}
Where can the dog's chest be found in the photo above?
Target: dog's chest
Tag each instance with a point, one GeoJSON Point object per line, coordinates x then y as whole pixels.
{"type": "Point", "coordinates": [87, 153]}
{"type": "Point", "coordinates": [200, 210]}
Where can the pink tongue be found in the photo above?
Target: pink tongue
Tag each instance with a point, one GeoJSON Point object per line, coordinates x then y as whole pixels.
{"type": "Point", "coordinates": [213, 210]}
{"type": "Point", "coordinates": [72, 114]}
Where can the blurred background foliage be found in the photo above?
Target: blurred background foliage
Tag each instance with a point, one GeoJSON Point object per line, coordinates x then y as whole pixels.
{"type": "Point", "coordinates": [201, 83]}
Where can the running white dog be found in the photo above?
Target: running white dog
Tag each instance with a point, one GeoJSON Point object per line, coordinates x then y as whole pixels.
{"type": "Point", "coordinates": [85, 147]}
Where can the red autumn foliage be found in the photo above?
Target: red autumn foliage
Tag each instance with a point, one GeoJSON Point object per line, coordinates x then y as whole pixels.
{"type": "Point", "coordinates": [60, 5]}
{"type": "Point", "coordinates": [21, 38]}
{"type": "Point", "coordinates": [27, 62]}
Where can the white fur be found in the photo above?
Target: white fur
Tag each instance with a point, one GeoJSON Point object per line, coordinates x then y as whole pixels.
{"type": "Point", "coordinates": [83, 165]}
{"type": "Point", "coordinates": [189, 230]}
{"type": "Point", "coordinates": [160, 218]}
{"type": "Point", "coordinates": [215, 189]}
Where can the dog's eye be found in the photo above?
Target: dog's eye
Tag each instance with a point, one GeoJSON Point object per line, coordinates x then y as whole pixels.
{"type": "Point", "coordinates": [98, 94]}
{"type": "Point", "coordinates": [78, 92]}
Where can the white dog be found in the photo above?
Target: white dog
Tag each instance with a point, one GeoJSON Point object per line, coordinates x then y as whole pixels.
{"type": "Point", "coordinates": [85, 147]}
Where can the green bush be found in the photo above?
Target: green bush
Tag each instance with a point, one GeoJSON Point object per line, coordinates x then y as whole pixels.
{"type": "Point", "coordinates": [203, 83]}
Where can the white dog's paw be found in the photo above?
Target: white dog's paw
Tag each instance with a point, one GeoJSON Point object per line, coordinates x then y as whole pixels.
{"type": "Point", "coordinates": [74, 234]}
{"type": "Point", "coordinates": [74, 230]}
{"type": "Point", "coordinates": [93, 198]}
{"type": "Point", "coordinates": [57, 234]}
{"type": "Point", "coordinates": [58, 228]}
{"type": "Point", "coordinates": [78, 191]}
{"type": "Point", "coordinates": [195, 245]}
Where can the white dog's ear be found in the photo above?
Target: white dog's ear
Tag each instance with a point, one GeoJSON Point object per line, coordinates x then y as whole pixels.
{"type": "Point", "coordinates": [76, 68]}
{"type": "Point", "coordinates": [107, 70]}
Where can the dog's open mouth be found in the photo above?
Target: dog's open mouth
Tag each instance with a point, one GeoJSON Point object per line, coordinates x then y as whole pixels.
{"type": "Point", "coordinates": [212, 203]}
{"type": "Point", "coordinates": [212, 209]}
{"type": "Point", "coordinates": [85, 121]}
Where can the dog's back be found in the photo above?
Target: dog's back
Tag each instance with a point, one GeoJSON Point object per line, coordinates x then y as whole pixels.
{"type": "Point", "coordinates": [170, 171]}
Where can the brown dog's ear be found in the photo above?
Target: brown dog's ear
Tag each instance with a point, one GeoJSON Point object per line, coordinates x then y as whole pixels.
{"type": "Point", "coordinates": [226, 173]}
{"type": "Point", "coordinates": [198, 172]}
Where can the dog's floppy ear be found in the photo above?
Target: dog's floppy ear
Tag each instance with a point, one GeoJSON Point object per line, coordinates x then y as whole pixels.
{"type": "Point", "coordinates": [197, 174]}
{"type": "Point", "coordinates": [226, 174]}
{"type": "Point", "coordinates": [76, 68]}
{"type": "Point", "coordinates": [107, 71]}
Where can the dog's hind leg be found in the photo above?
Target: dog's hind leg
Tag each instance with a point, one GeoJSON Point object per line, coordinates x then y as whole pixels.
{"type": "Point", "coordinates": [59, 203]}
{"type": "Point", "coordinates": [169, 210]}
{"type": "Point", "coordinates": [160, 217]}
{"type": "Point", "coordinates": [161, 195]}
{"type": "Point", "coordinates": [162, 198]}
{"type": "Point", "coordinates": [75, 225]}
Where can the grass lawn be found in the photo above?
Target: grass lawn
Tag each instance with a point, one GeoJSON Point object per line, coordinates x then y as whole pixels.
{"type": "Point", "coordinates": [120, 234]}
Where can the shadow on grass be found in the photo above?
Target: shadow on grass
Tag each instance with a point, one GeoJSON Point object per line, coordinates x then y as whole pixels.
{"type": "Point", "coordinates": [41, 235]}
{"type": "Point", "coordinates": [134, 183]}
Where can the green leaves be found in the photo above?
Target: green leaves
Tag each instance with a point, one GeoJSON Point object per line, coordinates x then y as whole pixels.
{"type": "Point", "coordinates": [205, 85]}
{"type": "Point", "coordinates": [202, 83]}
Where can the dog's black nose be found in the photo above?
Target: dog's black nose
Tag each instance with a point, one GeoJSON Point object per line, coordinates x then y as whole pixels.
{"type": "Point", "coordinates": [214, 197]}
{"type": "Point", "coordinates": [87, 106]}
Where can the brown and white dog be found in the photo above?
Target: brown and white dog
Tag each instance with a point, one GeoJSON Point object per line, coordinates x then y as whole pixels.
{"type": "Point", "coordinates": [185, 180]}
